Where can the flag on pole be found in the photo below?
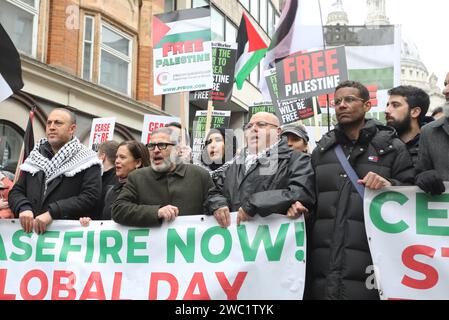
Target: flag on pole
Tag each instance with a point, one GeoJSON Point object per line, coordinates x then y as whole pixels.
{"type": "Point", "coordinates": [28, 144]}
{"type": "Point", "coordinates": [299, 29]}
{"type": "Point", "coordinates": [251, 50]}
{"type": "Point", "coordinates": [10, 67]}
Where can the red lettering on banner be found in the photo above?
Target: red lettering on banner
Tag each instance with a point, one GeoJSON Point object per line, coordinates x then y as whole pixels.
{"type": "Point", "coordinates": [288, 69]}
{"type": "Point", "coordinates": [197, 280]}
{"type": "Point", "coordinates": [68, 286]}
{"type": "Point", "coordinates": [155, 125]}
{"type": "Point", "coordinates": [39, 274]}
{"type": "Point", "coordinates": [331, 61]}
{"type": "Point", "coordinates": [317, 65]}
{"type": "Point", "coordinates": [231, 291]}
{"type": "Point", "coordinates": [431, 275]}
{"type": "Point", "coordinates": [3, 295]}
{"type": "Point", "coordinates": [117, 286]}
{"type": "Point", "coordinates": [182, 47]}
{"type": "Point", "coordinates": [163, 276]}
{"type": "Point", "coordinates": [303, 68]}
{"type": "Point", "coordinates": [102, 127]}
{"type": "Point", "coordinates": [88, 293]}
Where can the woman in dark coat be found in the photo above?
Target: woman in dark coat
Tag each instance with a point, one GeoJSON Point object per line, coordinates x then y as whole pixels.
{"type": "Point", "coordinates": [131, 155]}
{"type": "Point", "coordinates": [219, 148]}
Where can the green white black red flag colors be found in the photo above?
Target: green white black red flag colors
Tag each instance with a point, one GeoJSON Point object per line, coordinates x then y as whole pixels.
{"type": "Point", "coordinates": [299, 29]}
{"type": "Point", "coordinates": [305, 75]}
{"type": "Point", "coordinates": [373, 55]}
{"type": "Point", "coordinates": [10, 67]}
{"type": "Point", "coordinates": [251, 50]}
{"type": "Point", "coordinates": [182, 53]}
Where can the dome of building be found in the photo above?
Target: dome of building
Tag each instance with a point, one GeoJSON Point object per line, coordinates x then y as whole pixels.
{"type": "Point", "coordinates": [338, 15]}
{"type": "Point", "coordinates": [414, 72]}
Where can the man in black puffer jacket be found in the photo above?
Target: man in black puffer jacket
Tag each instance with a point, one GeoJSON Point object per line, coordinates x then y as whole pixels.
{"type": "Point", "coordinates": [267, 177]}
{"type": "Point", "coordinates": [339, 251]}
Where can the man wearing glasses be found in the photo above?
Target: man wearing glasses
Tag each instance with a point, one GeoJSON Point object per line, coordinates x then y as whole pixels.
{"type": "Point", "coordinates": [164, 190]}
{"type": "Point", "coordinates": [339, 252]}
{"type": "Point", "coordinates": [267, 177]}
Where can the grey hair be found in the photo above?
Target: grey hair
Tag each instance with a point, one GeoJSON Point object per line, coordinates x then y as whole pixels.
{"type": "Point", "coordinates": [173, 134]}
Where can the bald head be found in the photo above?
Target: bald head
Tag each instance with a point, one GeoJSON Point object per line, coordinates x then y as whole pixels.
{"type": "Point", "coordinates": [262, 131]}
{"type": "Point", "coordinates": [266, 117]}
{"type": "Point", "coordinates": [66, 111]}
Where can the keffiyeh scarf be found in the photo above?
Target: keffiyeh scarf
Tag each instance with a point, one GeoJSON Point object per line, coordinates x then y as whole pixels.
{"type": "Point", "coordinates": [71, 159]}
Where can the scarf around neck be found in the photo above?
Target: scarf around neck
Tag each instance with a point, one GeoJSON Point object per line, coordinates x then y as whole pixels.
{"type": "Point", "coordinates": [71, 159]}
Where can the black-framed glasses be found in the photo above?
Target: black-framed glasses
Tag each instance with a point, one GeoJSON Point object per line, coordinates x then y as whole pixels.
{"type": "Point", "coordinates": [161, 145]}
{"type": "Point", "coordinates": [259, 124]}
{"type": "Point", "coordinates": [346, 100]}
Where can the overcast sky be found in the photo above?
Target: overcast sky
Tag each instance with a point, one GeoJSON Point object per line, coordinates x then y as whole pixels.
{"type": "Point", "coordinates": [425, 22]}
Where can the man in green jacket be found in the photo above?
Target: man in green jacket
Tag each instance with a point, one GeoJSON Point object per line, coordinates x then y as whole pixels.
{"type": "Point", "coordinates": [164, 190]}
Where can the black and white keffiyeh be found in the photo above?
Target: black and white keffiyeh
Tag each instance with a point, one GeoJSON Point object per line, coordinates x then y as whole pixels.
{"type": "Point", "coordinates": [71, 159]}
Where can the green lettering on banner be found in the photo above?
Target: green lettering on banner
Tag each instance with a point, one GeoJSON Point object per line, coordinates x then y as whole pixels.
{"type": "Point", "coordinates": [273, 252]}
{"type": "Point", "coordinates": [187, 248]}
{"type": "Point", "coordinates": [133, 245]}
{"type": "Point", "coordinates": [67, 244]}
{"type": "Point", "coordinates": [423, 214]}
{"type": "Point", "coordinates": [113, 251]}
{"type": "Point", "coordinates": [375, 212]}
{"type": "Point", "coordinates": [41, 245]}
{"type": "Point", "coordinates": [26, 247]}
{"type": "Point", "coordinates": [2, 250]}
{"type": "Point", "coordinates": [90, 247]}
{"type": "Point", "coordinates": [205, 240]}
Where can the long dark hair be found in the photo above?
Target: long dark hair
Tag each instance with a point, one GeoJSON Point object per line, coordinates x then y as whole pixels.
{"type": "Point", "coordinates": [138, 150]}
{"type": "Point", "coordinates": [230, 142]}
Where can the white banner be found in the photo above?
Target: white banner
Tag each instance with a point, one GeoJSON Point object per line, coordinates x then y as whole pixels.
{"type": "Point", "coordinates": [102, 130]}
{"type": "Point", "coordinates": [408, 233]}
{"type": "Point", "coordinates": [190, 258]}
{"type": "Point", "coordinates": [152, 122]}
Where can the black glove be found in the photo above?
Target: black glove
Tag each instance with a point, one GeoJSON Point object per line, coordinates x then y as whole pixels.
{"type": "Point", "coordinates": [430, 182]}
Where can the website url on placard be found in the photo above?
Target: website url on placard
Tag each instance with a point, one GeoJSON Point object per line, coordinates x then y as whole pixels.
{"type": "Point", "coordinates": [185, 88]}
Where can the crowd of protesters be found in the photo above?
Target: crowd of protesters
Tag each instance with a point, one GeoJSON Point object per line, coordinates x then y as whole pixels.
{"type": "Point", "coordinates": [144, 186]}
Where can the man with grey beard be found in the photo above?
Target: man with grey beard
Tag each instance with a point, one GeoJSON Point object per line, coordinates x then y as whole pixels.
{"type": "Point", "coordinates": [433, 157]}
{"type": "Point", "coordinates": [164, 190]}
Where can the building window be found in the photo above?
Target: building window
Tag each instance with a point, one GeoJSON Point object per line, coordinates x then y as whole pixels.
{"type": "Point", "coordinates": [199, 3]}
{"type": "Point", "coordinates": [230, 32]}
{"type": "Point", "coordinates": [218, 25]}
{"type": "Point", "coordinates": [11, 140]}
{"type": "Point", "coordinates": [88, 47]}
{"type": "Point", "coordinates": [115, 59]}
{"type": "Point", "coordinates": [245, 3]}
{"type": "Point", "coordinates": [170, 5]}
{"type": "Point", "coordinates": [264, 14]}
{"type": "Point", "coordinates": [20, 20]}
{"type": "Point", "coordinates": [254, 9]}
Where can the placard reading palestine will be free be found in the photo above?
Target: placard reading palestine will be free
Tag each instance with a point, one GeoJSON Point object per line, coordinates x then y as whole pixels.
{"type": "Point", "coordinates": [182, 53]}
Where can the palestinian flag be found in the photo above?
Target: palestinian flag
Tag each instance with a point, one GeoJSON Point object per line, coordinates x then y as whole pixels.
{"type": "Point", "coordinates": [182, 52]}
{"type": "Point", "coordinates": [373, 55]}
{"type": "Point", "coordinates": [251, 49]}
{"type": "Point", "coordinates": [10, 67]}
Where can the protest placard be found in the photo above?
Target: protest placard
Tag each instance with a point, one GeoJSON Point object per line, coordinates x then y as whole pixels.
{"type": "Point", "coordinates": [408, 236]}
{"type": "Point", "coordinates": [188, 259]}
{"type": "Point", "coordinates": [182, 53]}
{"type": "Point", "coordinates": [152, 122]}
{"type": "Point", "coordinates": [102, 130]}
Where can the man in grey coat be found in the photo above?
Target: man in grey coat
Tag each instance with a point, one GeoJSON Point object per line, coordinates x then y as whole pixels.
{"type": "Point", "coordinates": [164, 190]}
{"type": "Point", "coordinates": [433, 157]}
